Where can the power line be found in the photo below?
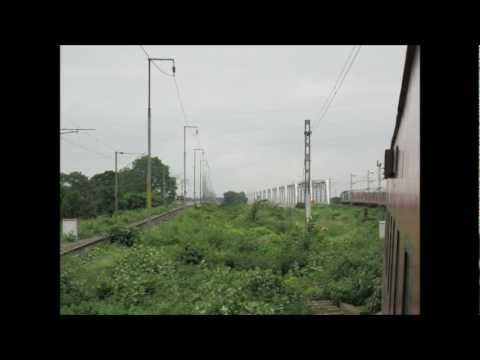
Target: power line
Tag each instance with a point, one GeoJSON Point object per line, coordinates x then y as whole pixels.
{"type": "Point", "coordinates": [340, 84]}
{"type": "Point", "coordinates": [179, 97]}
{"type": "Point", "coordinates": [87, 149]}
{"type": "Point", "coordinates": [154, 63]}
{"type": "Point", "coordinates": [93, 136]}
{"type": "Point", "coordinates": [322, 115]}
{"type": "Point", "coordinates": [171, 75]}
{"type": "Point", "coordinates": [180, 100]}
{"type": "Point", "coordinates": [338, 79]}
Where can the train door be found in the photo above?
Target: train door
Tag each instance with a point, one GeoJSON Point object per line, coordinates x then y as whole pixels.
{"type": "Point", "coordinates": [406, 282]}
{"type": "Point", "coordinates": [389, 266]}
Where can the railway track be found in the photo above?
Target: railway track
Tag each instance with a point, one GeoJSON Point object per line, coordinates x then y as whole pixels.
{"type": "Point", "coordinates": [82, 245]}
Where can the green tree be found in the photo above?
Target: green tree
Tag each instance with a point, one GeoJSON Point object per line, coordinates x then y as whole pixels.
{"type": "Point", "coordinates": [233, 198]}
{"type": "Point", "coordinates": [103, 186]}
{"type": "Point", "coordinates": [131, 200]}
{"type": "Point", "coordinates": [77, 197]}
{"type": "Point", "coordinates": [83, 197]}
{"type": "Point", "coordinates": [133, 180]}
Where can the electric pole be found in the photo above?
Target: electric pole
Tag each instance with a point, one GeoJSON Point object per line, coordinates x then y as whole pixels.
{"type": "Point", "coordinates": [379, 166]}
{"type": "Point", "coordinates": [194, 176]}
{"type": "Point", "coordinates": [185, 160]}
{"type": "Point", "coordinates": [205, 182]}
{"type": "Point", "coordinates": [116, 179]}
{"type": "Point", "coordinates": [306, 184]}
{"type": "Point", "coordinates": [368, 179]}
{"type": "Point", "coordinates": [194, 172]}
{"type": "Point", "coordinates": [351, 187]}
{"type": "Point", "coordinates": [163, 182]}
{"type": "Point", "coordinates": [149, 110]}
{"type": "Point", "coordinates": [200, 192]}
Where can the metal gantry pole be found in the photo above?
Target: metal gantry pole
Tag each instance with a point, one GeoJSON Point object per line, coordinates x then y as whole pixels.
{"type": "Point", "coordinates": [200, 179]}
{"type": "Point", "coordinates": [163, 181]}
{"type": "Point", "coordinates": [205, 183]}
{"type": "Point", "coordinates": [194, 173]}
{"type": "Point", "coordinates": [116, 181]}
{"type": "Point", "coordinates": [306, 184]}
{"type": "Point", "coordinates": [203, 179]}
{"type": "Point", "coordinates": [184, 165]}
{"type": "Point", "coordinates": [379, 166]}
{"type": "Point", "coordinates": [185, 159]}
{"type": "Point", "coordinates": [149, 160]}
{"type": "Point", "coordinates": [368, 179]}
{"type": "Point", "coordinates": [351, 188]}
{"type": "Point", "coordinates": [194, 176]}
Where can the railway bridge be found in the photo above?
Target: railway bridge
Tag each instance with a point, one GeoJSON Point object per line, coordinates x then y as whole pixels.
{"type": "Point", "coordinates": [288, 195]}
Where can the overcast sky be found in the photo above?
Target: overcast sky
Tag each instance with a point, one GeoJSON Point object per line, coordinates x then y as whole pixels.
{"type": "Point", "coordinates": [250, 103]}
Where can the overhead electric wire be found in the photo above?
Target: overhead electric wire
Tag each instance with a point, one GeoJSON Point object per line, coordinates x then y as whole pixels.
{"type": "Point", "coordinates": [154, 63]}
{"type": "Point", "coordinates": [93, 137]}
{"type": "Point", "coordinates": [338, 85]}
{"type": "Point", "coordinates": [338, 78]}
{"type": "Point", "coordinates": [180, 101]}
{"type": "Point", "coordinates": [87, 149]}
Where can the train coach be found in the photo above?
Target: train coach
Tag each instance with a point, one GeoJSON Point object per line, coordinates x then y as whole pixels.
{"type": "Point", "coordinates": [374, 198]}
{"type": "Point", "coordinates": [401, 275]}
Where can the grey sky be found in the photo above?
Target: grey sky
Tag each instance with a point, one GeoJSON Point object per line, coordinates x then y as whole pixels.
{"type": "Point", "coordinates": [250, 103]}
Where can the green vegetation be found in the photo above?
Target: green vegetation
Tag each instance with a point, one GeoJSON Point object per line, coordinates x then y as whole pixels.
{"type": "Point", "coordinates": [235, 259]}
{"type": "Point", "coordinates": [234, 198]}
{"type": "Point", "coordinates": [102, 224]}
{"type": "Point", "coordinates": [87, 198]}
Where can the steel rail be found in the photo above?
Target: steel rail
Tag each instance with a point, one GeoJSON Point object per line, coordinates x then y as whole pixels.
{"type": "Point", "coordinates": [80, 245]}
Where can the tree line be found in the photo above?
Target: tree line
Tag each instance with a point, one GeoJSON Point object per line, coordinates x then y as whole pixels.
{"type": "Point", "coordinates": [85, 197]}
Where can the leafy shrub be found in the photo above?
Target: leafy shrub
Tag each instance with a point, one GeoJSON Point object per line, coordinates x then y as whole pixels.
{"type": "Point", "coordinates": [216, 260]}
{"type": "Point", "coordinates": [123, 235]}
{"type": "Point", "coordinates": [190, 255]}
{"type": "Point", "coordinates": [104, 290]}
{"type": "Point", "coordinates": [374, 302]}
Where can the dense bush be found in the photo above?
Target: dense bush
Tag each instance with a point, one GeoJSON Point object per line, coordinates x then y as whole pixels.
{"type": "Point", "coordinates": [123, 235]}
{"type": "Point", "coordinates": [223, 260]}
{"type": "Point", "coordinates": [234, 198]}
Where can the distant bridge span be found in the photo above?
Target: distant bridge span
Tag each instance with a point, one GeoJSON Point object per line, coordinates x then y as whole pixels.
{"type": "Point", "coordinates": [289, 195]}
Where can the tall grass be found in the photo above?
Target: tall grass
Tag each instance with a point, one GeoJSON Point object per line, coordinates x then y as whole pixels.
{"type": "Point", "coordinates": [102, 224]}
{"type": "Point", "coordinates": [223, 260]}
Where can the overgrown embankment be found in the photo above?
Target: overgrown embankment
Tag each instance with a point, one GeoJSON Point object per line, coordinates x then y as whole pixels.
{"type": "Point", "coordinates": [103, 223]}
{"type": "Point", "coordinates": [231, 260]}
